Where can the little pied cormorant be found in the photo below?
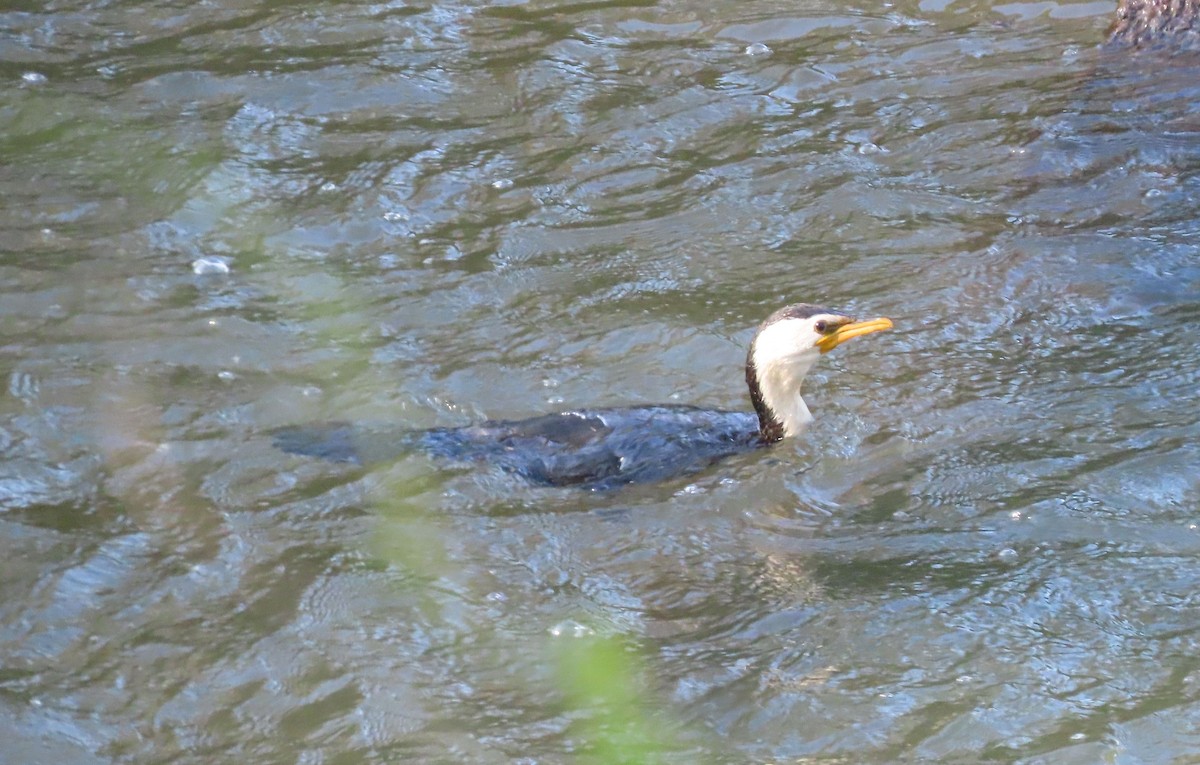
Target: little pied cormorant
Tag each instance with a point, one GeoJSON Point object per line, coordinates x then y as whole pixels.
{"type": "Point", "coordinates": [604, 448]}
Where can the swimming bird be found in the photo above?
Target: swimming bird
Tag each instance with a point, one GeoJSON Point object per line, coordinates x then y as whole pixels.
{"type": "Point", "coordinates": [602, 449]}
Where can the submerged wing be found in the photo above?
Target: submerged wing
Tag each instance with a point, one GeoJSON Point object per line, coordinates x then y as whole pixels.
{"type": "Point", "coordinates": [346, 442]}
{"type": "Point", "coordinates": [332, 441]}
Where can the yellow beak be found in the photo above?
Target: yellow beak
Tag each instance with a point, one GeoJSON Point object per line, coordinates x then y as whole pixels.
{"type": "Point", "coordinates": [843, 333]}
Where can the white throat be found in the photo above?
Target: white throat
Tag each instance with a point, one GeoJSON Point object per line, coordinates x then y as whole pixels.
{"type": "Point", "coordinates": [780, 385]}
{"type": "Point", "coordinates": [781, 362]}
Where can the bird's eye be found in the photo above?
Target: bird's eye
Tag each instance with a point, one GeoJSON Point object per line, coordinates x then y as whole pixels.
{"type": "Point", "coordinates": [821, 326]}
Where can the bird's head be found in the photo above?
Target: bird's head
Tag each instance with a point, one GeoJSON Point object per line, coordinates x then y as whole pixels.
{"type": "Point", "coordinates": [784, 348]}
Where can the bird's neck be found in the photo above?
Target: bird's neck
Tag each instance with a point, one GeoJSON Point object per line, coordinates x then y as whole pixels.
{"type": "Point", "coordinates": [775, 393]}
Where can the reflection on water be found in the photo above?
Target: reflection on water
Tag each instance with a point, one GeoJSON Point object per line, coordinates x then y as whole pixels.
{"type": "Point", "coordinates": [983, 549]}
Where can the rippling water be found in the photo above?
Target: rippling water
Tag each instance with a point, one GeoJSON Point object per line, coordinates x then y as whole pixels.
{"type": "Point", "coordinates": [983, 550]}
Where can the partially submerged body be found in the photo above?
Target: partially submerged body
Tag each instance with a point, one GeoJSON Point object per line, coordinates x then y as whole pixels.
{"type": "Point", "coordinates": [591, 448]}
{"type": "Point", "coordinates": [605, 448]}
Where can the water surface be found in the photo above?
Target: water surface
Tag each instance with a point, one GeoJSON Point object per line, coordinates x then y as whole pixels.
{"type": "Point", "coordinates": [985, 549]}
